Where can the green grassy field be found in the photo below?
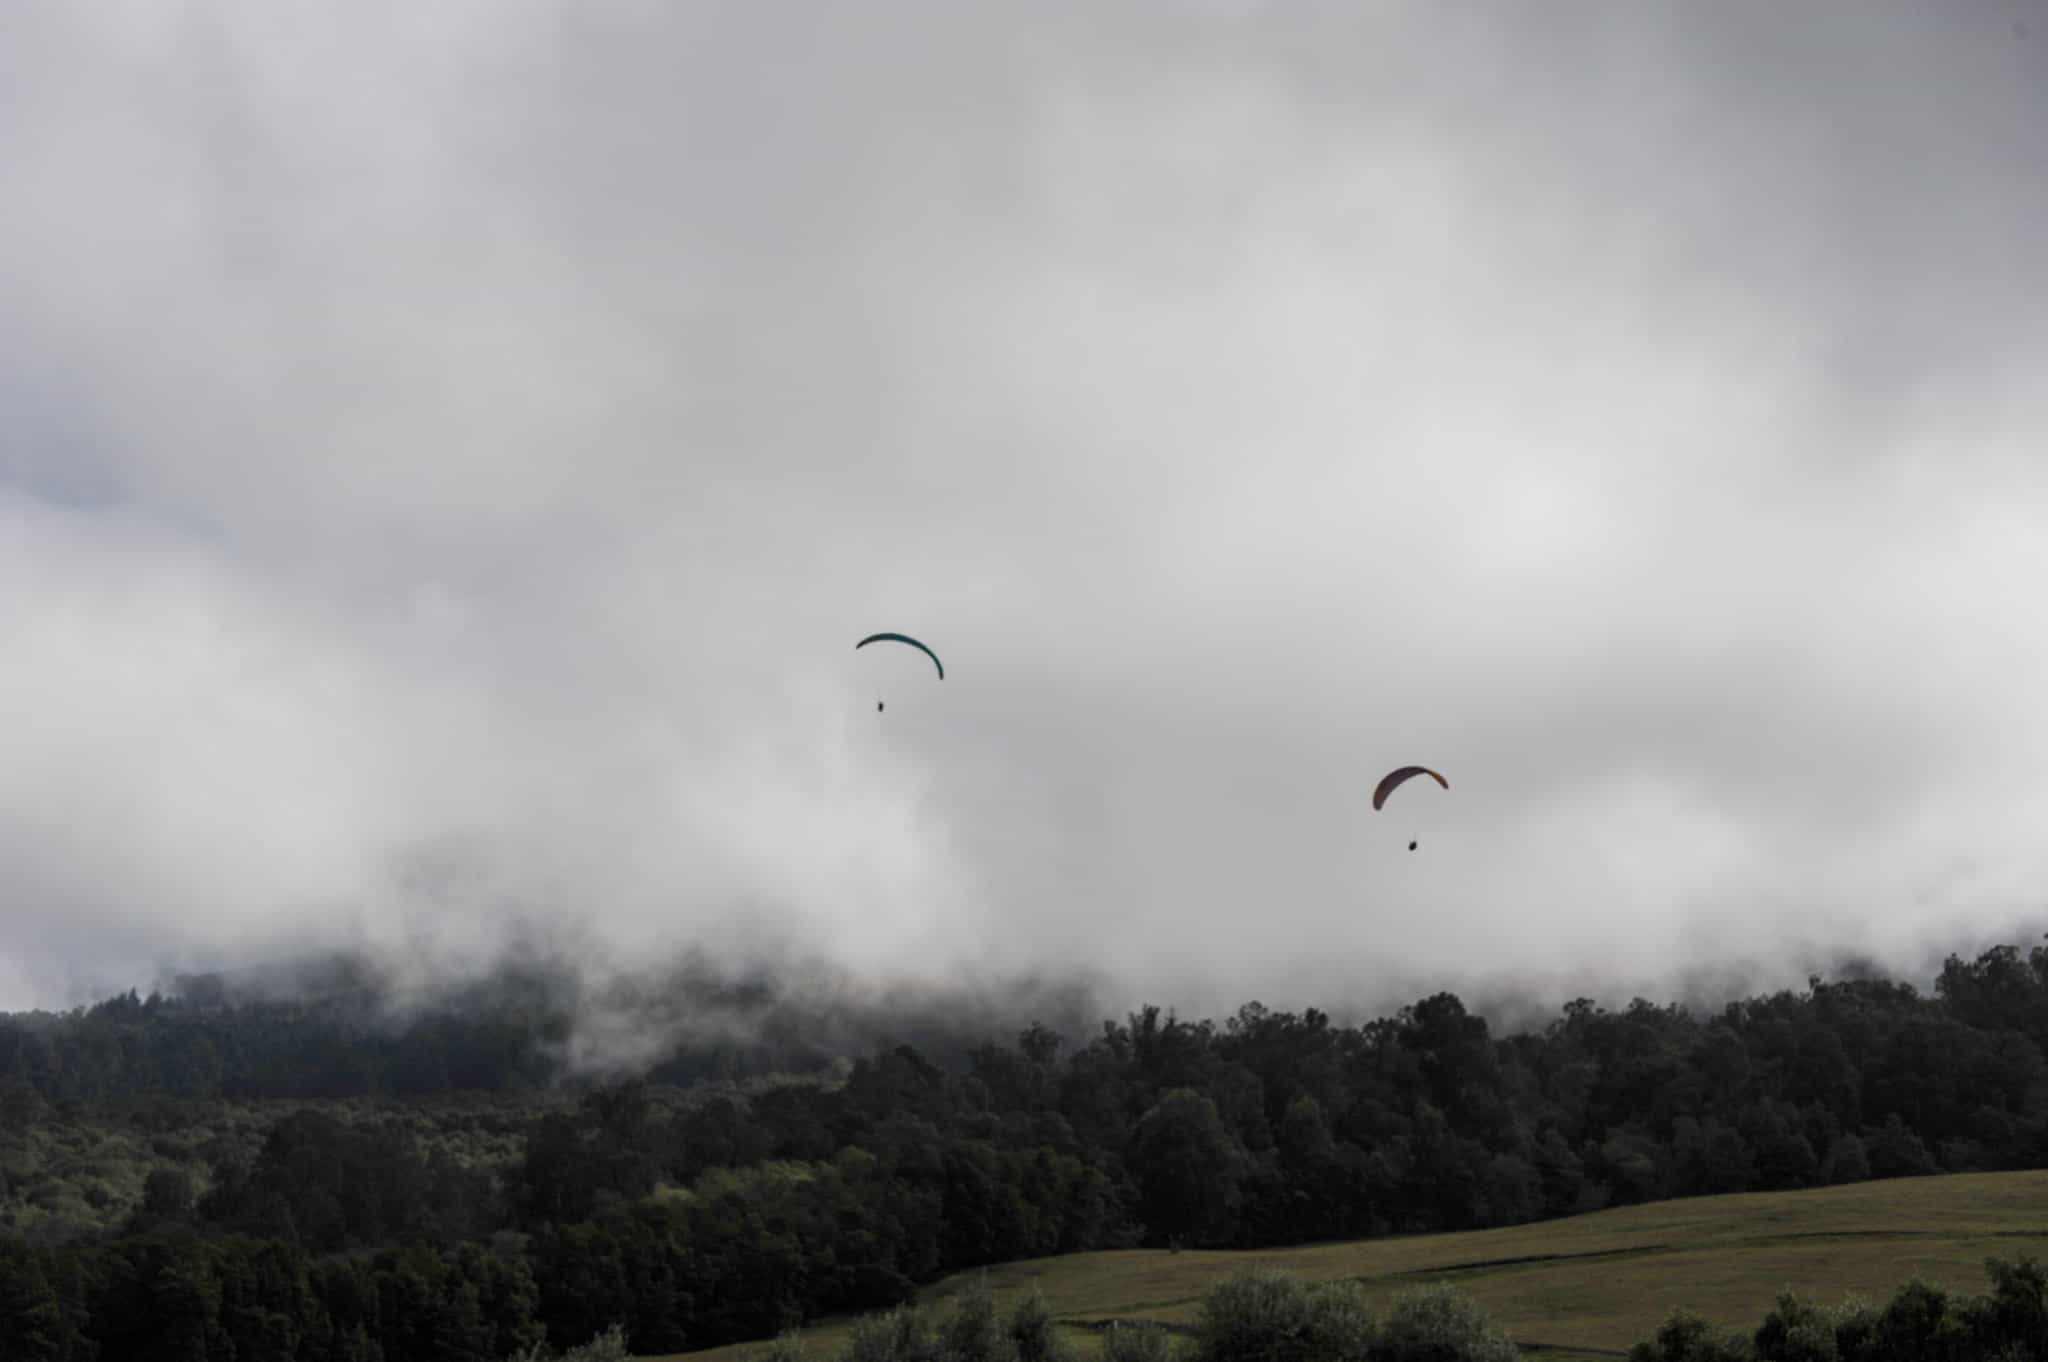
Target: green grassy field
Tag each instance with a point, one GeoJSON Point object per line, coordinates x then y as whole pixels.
{"type": "Point", "coordinates": [1586, 1287]}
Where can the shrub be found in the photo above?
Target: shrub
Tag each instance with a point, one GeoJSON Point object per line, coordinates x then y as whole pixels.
{"type": "Point", "coordinates": [1686, 1337]}
{"type": "Point", "coordinates": [972, 1334]}
{"type": "Point", "coordinates": [787, 1347]}
{"type": "Point", "coordinates": [2018, 1306]}
{"type": "Point", "coordinates": [1255, 1316]}
{"type": "Point", "coordinates": [1437, 1324]}
{"type": "Point", "coordinates": [1856, 1330]}
{"type": "Point", "coordinates": [609, 1346]}
{"type": "Point", "coordinates": [1918, 1326]}
{"type": "Point", "coordinates": [1033, 1335]}
{"type": "Point", "coordinates": [1265, 1316]}
{"type": "Point", "coordinates": [898, 1336]}
{"type": "Point", "coordinates": [1140, 1342]}
{"type": "Point", "coordinates": [1796, 1331]}
{"type": "Point", "coordinates": [1339, 1324]}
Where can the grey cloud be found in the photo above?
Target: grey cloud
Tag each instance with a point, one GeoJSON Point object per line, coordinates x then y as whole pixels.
{"type": "Point", "coordinates": [453, 454]}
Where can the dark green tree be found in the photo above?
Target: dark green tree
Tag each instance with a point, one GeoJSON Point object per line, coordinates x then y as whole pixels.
{"type": "Point", "coordinates": [1188, 1171]}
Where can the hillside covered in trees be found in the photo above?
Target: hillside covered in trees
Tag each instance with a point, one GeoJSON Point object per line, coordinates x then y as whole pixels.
{"type": "Point", "coordinates": [302, 1180]}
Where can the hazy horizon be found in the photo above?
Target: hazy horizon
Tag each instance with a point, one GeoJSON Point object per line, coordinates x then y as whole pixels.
{"type": "Point", "coordinates": [447, 458]}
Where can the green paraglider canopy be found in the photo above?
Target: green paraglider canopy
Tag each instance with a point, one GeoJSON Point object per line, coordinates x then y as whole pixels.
{"type": "Point", "coordinates": [1393, 778]}
{"type": "Point", "coordinates": [905, 638]}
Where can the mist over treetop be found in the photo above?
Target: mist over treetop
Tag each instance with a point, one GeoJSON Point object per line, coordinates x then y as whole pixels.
{"type": "Point", "coordinates": [344, 1025]}
{"type": "Point", "coordinates": [854, 1184]}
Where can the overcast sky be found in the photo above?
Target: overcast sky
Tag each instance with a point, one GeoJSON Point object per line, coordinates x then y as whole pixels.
{"type": "Point", "coordinates": [448, 452]}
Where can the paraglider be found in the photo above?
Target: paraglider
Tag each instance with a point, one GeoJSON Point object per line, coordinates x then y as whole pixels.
{"type": "Point", "coordinates": [902, 638]}
{"type": "Point", "coordinates": [1392, 779]}
{"type": "Point", "coordinates": [905, 638]}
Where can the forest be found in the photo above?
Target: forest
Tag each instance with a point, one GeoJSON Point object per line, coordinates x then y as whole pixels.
{"type": "Point", "coordinates": [206, 1176]}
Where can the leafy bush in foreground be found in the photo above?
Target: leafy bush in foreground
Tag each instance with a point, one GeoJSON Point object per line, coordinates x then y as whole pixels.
{"type": "Point", "coordinates": [1255, 1316]}
{"type": "Point", "coordinates": [1437, 1324]}
{"type": "Point", "coordinates": [1143, 1341]}
{"type": "Point", "coordinates": [609, 1346]}
{"type": "Point", "coordinates": [1268, 1316]}
{"type": "Point", "coordinates": [1922, 1323]}
{"type": "Point", "coordinates": [1686, 1337]}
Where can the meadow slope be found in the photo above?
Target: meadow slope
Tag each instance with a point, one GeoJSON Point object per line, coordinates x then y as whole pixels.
{"type": "Point", "coordinates": [1584, 1287]}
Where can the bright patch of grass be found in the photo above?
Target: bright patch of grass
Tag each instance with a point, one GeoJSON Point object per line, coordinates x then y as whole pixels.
{"type": "Point", "coordinates": [1584, 1287]}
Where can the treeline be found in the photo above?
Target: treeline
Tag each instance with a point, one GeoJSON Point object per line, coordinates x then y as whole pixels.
{"type": "Point", "coordinates": [696, 1224]}
{"type": "Point", "coordinates": [344, 1041]}
{"type": "Point", "coordinates": [159, 1296]}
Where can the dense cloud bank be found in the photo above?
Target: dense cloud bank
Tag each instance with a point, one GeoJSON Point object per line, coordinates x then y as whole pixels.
{"type": "Point", "coordinates": [446, 459]}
